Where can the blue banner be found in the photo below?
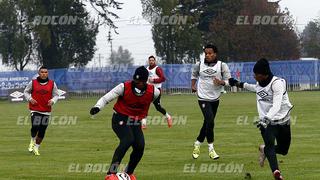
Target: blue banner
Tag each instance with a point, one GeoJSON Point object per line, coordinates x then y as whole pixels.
{"type": "Point", "coordinates": [177, 75]}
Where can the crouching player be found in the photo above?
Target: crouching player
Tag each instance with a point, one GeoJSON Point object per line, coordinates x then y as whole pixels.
{"type": "Point", "coordinates": [134, 99]}
{"type": "Point", "coordinates": [274, 113]}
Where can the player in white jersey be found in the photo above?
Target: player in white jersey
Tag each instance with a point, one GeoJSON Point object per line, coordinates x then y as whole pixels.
{"type": "Point", "coordinates": [156, 78]}
{"type": "Point", "coordinates": [212, 75]}
{"type": "Point", "coordinates": [274, 113]}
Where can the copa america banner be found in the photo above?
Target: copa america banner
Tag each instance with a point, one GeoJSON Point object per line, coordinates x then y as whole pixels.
{"type": "Point", "coordinates": [14, 80]}
{"type": "Point", "coordinates": [177, 75]}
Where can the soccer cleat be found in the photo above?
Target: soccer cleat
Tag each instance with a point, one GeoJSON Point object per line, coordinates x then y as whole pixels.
{"type": "Point", "coordinates": [31, 145]}
{"type": "Point", "coordinates": [196, 151]}
{"type": "Point", "coordinates": [213, 154]}
{"type": "Point", "coordinates": [132, 177]}
{"type": "Point", "coordinates": [36, 151]}
{"type": "Point", "coordinates": [111, 177]}
{"type": "Point", "coordinates": [262, 156]}
{"type": "Point", "coordinates": [277, 175]}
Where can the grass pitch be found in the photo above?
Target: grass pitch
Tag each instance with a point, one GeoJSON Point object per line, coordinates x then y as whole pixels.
{"type": "Point", "coordinates": [82, 148]}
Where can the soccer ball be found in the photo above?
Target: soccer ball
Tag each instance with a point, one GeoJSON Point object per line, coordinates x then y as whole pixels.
{"type": "Point", "coordinates": [123, 176]}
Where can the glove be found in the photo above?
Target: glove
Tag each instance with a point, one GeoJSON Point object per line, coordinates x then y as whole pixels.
{"type": "Point", "coordinates": [240, 84]}
{"type": "Point", "coordinates": [262, 123]}
{"type": "Point", "coordinates": [94, 110]}
{"type": "Point", "coordinates": [234, 82]}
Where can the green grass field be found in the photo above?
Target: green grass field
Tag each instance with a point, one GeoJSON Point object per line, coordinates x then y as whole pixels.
{"type": "Point", "coordinates": [68, 149]}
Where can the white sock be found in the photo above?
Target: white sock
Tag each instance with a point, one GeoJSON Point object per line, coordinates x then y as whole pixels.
{"type": "Point", "coordinates": [197, 143]}
{"type": "Point", "coordinates": [167, 115]}
{"type": "Point", "coordinates": [210, 146]}
{"type": "Point", "coordinates": [37, 146]}
{"type": "Point", "coordinates": [33, 138]}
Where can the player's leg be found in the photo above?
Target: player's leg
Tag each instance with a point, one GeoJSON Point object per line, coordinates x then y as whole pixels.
{"type": "Point", "coordinates": [157, 105]}
{"type": "Point", "coordinates": [41, 133]}
{"type": "Point", "coordinates": [269, 135]}
{"type": "Point", "coordinates": [35, 125]}
{"type": "Point", "coordinates": [206, 111]}
{"type": "Point", "coordinates": [210, 121]}
{"type": "Point", "coordinates": [137, 148]}
{"type": "Point", "coordinates": [210, 129]}
{"type": "Point", "coordinates": [124, 133]}
{"type": "Point", "coordinates": [207, 115]}
{"type": "Point", "coordinates": [283, 139]}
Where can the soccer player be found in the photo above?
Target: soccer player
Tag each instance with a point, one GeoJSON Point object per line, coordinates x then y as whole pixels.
{"type": "Point", "coordinates": [212, 75]}
{"type": "Point", "coordinates": [41, 93]}
{"type": "Point", "coordinates": [156, 78]}
{"type": "Point", "coordinates": [274, 113]}
{"type": "Point", "coordinates": [134, 99]}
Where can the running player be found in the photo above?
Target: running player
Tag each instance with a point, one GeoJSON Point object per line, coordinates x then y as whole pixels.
{"type": "Point", "coordinates": [274, 113]}
{"type": "Point", "coordinates": [41, 93]}
{"type": "Point", "coordinates": [156, 78]}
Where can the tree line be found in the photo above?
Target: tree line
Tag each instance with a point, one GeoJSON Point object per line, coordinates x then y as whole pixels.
{"type": "Point", "coordinates": [60, 34]}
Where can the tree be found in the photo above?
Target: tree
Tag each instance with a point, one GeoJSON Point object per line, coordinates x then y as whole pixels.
{"type": "Point", "coordinates": [311, 39]}
{"type": "Point", "coordinates": [65, 44]}
{"type": "Point", "coordinates": [122, 56]}
{"type": "Point", "coordinates": [215, 22]}
{"type": "Point", "coordinates": [56, 45]}
{"type": "Point", "coordinates": [16, 38]}
{"type": "Point", "coordinates": [251, 42]}
{"type": "Point", "coordinates": [174, 43]}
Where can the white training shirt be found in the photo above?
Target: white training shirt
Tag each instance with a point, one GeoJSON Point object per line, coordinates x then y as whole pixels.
{"type": "Point", "coordinates": [205, 73]}
{"type": "Point", "coordinates": [153, 75]}
{"type": "Point", "coordinates": [273, 100]}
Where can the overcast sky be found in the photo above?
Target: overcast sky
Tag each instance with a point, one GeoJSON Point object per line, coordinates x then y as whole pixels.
{"type": "Point", "coordinates": [135, 35]}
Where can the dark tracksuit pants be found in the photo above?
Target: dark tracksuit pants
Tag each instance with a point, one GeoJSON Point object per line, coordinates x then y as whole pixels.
{"type": "Point", "coordinates": [280, 133]}
{"type": "Point", "coordinates": [157, 104]}
{"type": "Point", "coordinates": [39, 124]}
{"type": "Point", "coordinates": [130, 135]}
{"type": "Point", "coordinates": [209, 110]}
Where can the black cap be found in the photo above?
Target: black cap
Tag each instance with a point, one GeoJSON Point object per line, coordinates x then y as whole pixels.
{"type": "Point", "coordinates": [141, 74]}
{"type": "Point", "coordinates": [262, 67]}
